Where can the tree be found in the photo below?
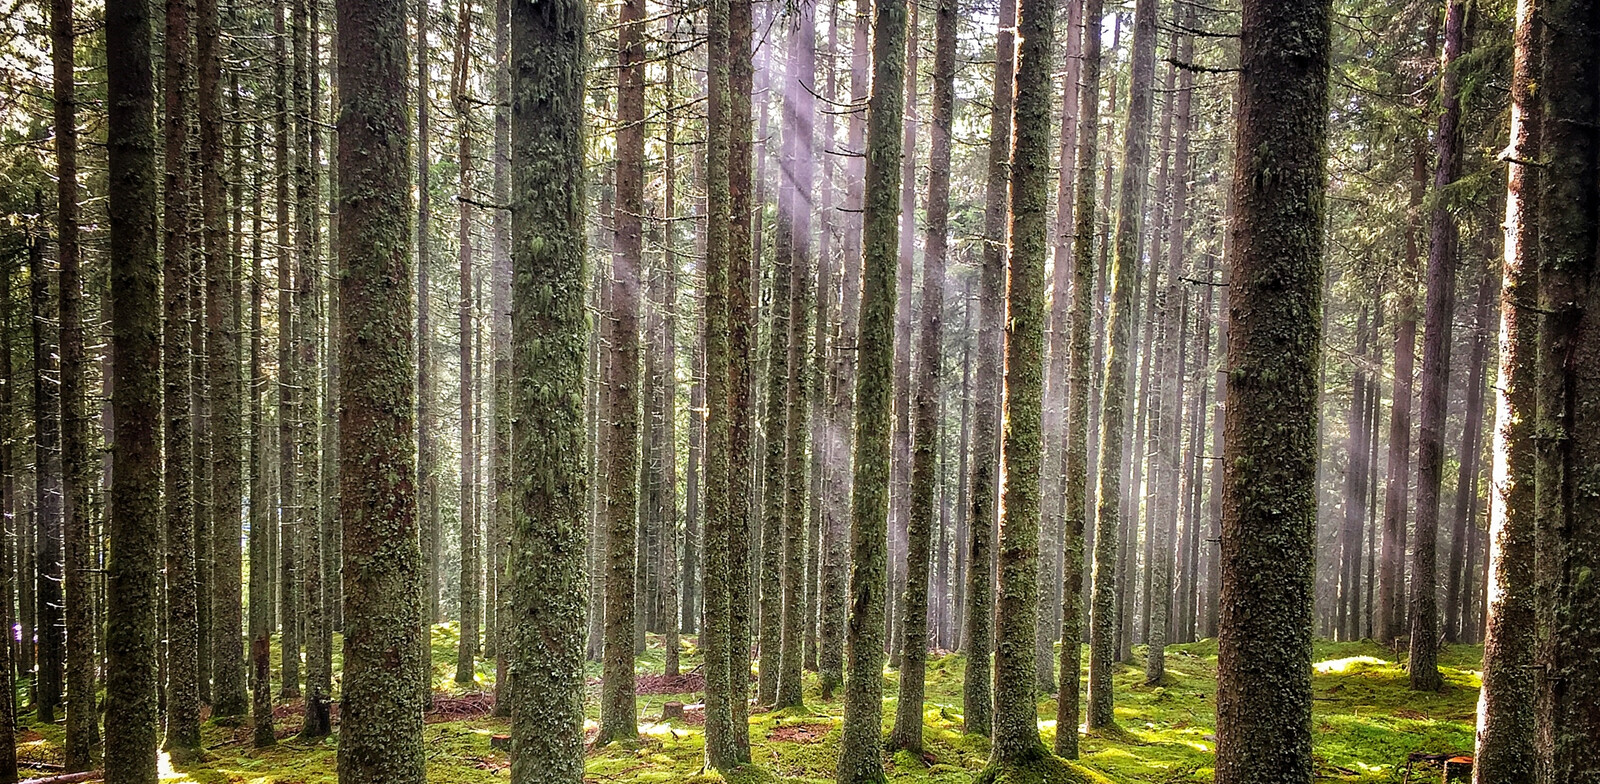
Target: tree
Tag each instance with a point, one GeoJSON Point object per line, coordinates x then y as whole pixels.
{"type": "Point", "coordinates": [83, 733]}
{"type": "Point", "coordinates": [799, 98]}
{"type": "Point", "coordinates": [134, 525]}
{"type": "Point", "coordinates": [288, 162]}
{"type": "Point", "coordinates": [1269, 447]}
{"type": "Point", "coordinates": [1506, 718]}
{"type": "Point", "coordinates": [621, 502]}
{"type": "Point", "coordinates": [471, 566]}
{"type": "Point", "coordinates": [860, 757]}
{"type": "Point", "coordinates": [548, 357]}
{"type": "Point", "coordinates": [1076, 455]}
{"type": "Point", "coordinates": [222, 369]}
{"type": "Point", "coordinates": [1423, 662]}
{"type": "Point", "coordinates": [380, 736]}
{"type": "Point", "coordinates": [427, 458]}
{"type": "Point", "coordinates": [1124, 275]}
{"type": "Point", "coordinates": [183, 642]}
{"type": "Point", "coordinates": [976, 684]}
{"type": "Point", "coordinates": [1017, 750]}
{"type": "Point", "coordinates": [8, 708]}
{"type": "Point", "coordinates": [1567, 557]}
{"type": "Point", "coordinates": [261, 528]}
{"type": "Point", "coordinates": [925, 448]}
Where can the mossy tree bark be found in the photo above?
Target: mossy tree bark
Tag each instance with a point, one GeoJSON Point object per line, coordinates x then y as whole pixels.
{"type": "Point", "coordinates": [1114, 403]}
{"type": "Point", "coordinates": [1016, 726]}
{"type": "Point", "coordinates": [977, 682]}
{"type": "Point", "coordinates": [1076, 455]}
{"type": "Point", "coordinates": [1504, 753]}
{"type": "Point", "coordinates": [135, 522]}
{"type": "Point", "coordinates": [183, 687]}
{"type": "Point", "coordinates": [261, 528]}
{"type": "Point", "coordinates": [549, 332]}
{"type": "Point", "coordinates": [722, 751]}
{"type": "Point", "coordinates": [380, 737]}
{"type": "Point", "coordinates": [907, 732]}
{"type": "Point", "coordinates": [1567, 555]}
{"type": "Point", "coordinates": [314, 540]}
{"type": "Point", "coordinates": [82, 730]}
{"type": "Point", "coordinates": [774, 426]}
{"type": "Point", "coordinates": [223, 369]}
{"type": "Point", "coordinates": [621, 507]}
{"type": "Point", "coordinates": [741, 352]}
{"type": "Point", "coordinates": [861, 756]}
{"type": "Point", "coordinates": [1423, 663]}
{"type": "Point", "coordinates": [1269, 446]}
{"type": "Point", "coordinates": [800, 102]}
{"type": "Point", "coordinates": [469, 587]}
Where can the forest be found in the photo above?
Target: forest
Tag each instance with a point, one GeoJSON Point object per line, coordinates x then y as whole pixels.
{"type": "Point", "coordinates": [851, 391]}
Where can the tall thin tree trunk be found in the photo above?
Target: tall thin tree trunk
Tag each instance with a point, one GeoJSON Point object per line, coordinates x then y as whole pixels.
{"type": "Point", "coordinates": [977, 683]}
{"type": "Point", "coordinates": [1458, 604]}
{"type": "Point", "coordinates": [1136, 154]}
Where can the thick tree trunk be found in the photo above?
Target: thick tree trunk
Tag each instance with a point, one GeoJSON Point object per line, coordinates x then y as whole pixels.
{"type": "Point", "coordinates": [1505, 752]}
{"type": "Point", "coordinates": [1016, 726]}
{"type": "Point", "coordinates": [861, 758]}
{"type": "Point", "coordinates": [134, 527]}
{"type": "Point", "coordinates": [1568, 544]}
{"type": "Point", "coordinates": [742, 284]}
{"type": "Point", "coordinates": [380, 736]}
{"type": "Point", "coordinates": [1270, 456]}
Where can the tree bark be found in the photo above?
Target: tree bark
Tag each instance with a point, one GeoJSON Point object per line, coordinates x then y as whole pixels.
{"type": "Point", "coordinates": [861, 756]}
{"type": "Point", "coordinates": [1423, 664]}
{"type": "Point", "coordinates": [1506, 731]}
{"type": "Point", "coordinates": [380, 736]}
{"type": "Point", "coordinates": [1270, 456]}
{"type": "Point", "coordinates": [134, 525]}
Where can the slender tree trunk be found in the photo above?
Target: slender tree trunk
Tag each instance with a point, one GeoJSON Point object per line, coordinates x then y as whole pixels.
{"type": "Point", "coordinates": [134, 529]}
{"type": "Point", "coordinates": [1079, 379]}
{"type": "Point", "coordinates": [1458, 604]}
{"type": "Point", "coordinates": [427, 495]}
{"type": "Point", "coordinates": [925, 452]}
{"type": "Point", "coordinates": [861, 759]}
{"type": "Point", "coordinates": [1506, 730]}
{"type": "Point", "coordinates": [1136, 154]}
{"type": "Point", "coordinates": [716, 633]}
{"type": "Point", "coordinates": [742, 284]}
{"type": "Point", "coordinates": [83, 734]}
{"type": "Point", "coordinates": [1355, 496]}
{"type": "Point", "coordinates": [380, 736]}
{"type": "Point", "coordinates": [261, 527]}
{"type": "Point", "coordinates": [8, 574]}
{"type": "Point", "coordinates": [469, 589]}
{"type": "Point", "coordinates": [977, 685]}
{"type": "Point", "coordinates": [183, 688]}
{"type": "Point", "coordinates": [288, 384]}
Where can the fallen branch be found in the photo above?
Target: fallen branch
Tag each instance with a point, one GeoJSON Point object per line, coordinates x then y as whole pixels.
{"type": "Point", "coordinates": [68, 778]}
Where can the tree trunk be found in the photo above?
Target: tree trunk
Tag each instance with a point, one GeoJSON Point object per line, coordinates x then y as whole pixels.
{"type": "Point", "coordinates": [468, 588]}
{"type": "Point", "coordinates": [1506, 731]}
{"type": "Point", "coordinates": [861, 758]}
{"type": "Point", "coordinates": [742, 284]}
{"type": "Point", "coordinates": [977, 683]}
{"type": "Point", "coordinates": [1423, 662]}
{"type": "Point", "coordinates": [907, 732]}
{"type": "Point", "coordinates": [261, 528]}
{"type": "Point", "coordinates": [618, 721]}
{"type": "Point", "coordinates": [288, 384]}
{"type": "Point", "coordinates": [1270, 464]}
{"type": "Point", "coordinates": [380, 736]}
{"type": "Point", "coordinates": [1458, 603]}
{"type": "Point", "coordinates": [134, 527]}
{"type": "Point", "coordinates": [427, 496]}
{"type": "Point", "coordinates": [1136, 155]}
{"type": "Point", "coordinates": [1079, 379]}
{"type": "Point", "coordinates": [1016, 726]}
{"type": "Point", "coordinates": [1568, 544]}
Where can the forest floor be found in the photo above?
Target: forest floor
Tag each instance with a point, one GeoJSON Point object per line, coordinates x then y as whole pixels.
{"type": "Point", "coordinates": [1366, 723]}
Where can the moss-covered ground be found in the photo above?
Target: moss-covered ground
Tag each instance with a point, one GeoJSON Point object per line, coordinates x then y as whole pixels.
{"type": "Point", "coordinates": [1366, 722]}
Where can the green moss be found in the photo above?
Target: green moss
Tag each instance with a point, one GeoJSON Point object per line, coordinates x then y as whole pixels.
{"type": "Point", "coordinates": [1367, 720]}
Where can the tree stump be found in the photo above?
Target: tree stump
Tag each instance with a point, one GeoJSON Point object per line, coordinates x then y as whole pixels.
{"type": "Point", "coordinates": [672, 710]}
{"type": "Point", "coordinates": [500, 742]}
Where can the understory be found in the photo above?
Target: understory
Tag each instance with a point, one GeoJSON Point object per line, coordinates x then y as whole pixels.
{"type": "Point", "coordinates": [1367, 723]}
